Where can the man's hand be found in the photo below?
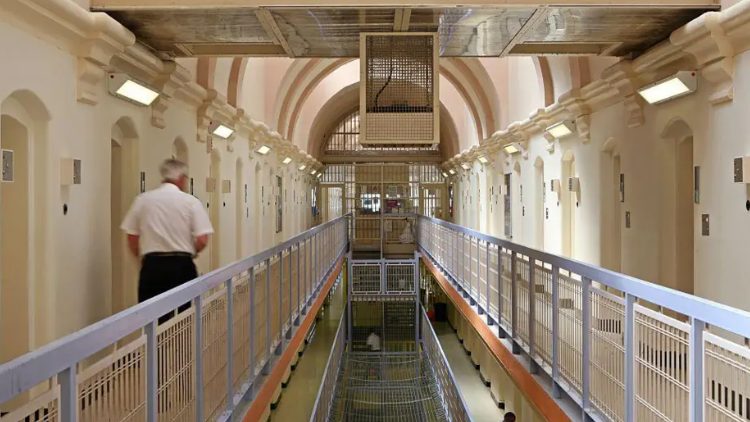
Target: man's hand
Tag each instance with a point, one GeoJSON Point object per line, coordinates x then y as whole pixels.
{"type": "Point", "coordinates": [133, 245]}
{"type": "Point", "coordinates": [200, 243]}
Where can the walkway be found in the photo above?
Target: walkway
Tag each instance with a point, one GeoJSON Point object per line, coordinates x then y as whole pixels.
{"type": "Point", "coordinates": [481, 405]}
{"type": "Point", "coordinates": [298, 399]}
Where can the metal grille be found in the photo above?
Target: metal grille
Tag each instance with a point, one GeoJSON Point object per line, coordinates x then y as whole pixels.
{"type": "Point", "coordinates": [399, 89]}
{"type": "Point", "coordinates": [399, 278]}
{"type": "Point", "coordinates": [345, 139]}
{"type": "Point", "coordinates": [365, 278]}
{"type": "Point", "coordinates": [393, 321]}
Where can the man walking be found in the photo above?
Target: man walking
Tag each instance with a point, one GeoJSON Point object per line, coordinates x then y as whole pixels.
{"type": "Point", "coordinates": [167, 228]}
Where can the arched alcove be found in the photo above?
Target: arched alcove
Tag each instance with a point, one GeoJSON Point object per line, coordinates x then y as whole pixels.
{"type": "Point", "coordinates": [611, 197]}
{"type": "Point", "coordinates": [540, 195]}
{"type": "Point", "coordinates": [517, 206]}
{"type": "Point", "coordinates": [214, 211]}
{"type": "Point", "coordinates": [27, 294]}
{"type": "Point", "coordinates": [124, 169]}
{"type": "Point", "coordinates": [569, 204]}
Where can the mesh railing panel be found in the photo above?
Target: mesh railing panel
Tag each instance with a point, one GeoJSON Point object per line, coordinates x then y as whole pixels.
{"type": "Point", "coordinates": [366, 278]}
{"type": "Point", "coordinates": [399, 277]}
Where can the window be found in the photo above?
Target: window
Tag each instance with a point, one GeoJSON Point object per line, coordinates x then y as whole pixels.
{"type": "Point", "coordinates": [370, 203]}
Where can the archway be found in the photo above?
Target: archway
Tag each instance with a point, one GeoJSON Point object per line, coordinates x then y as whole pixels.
{"type": "Point", "coordinates": [215, 210]}
{"type": "Point", "coordinates": [540, 195]}
{"type": "Point", "coordinates": [27, 294]}
{"type": "Point", "coordinates": [677, 209]}
{"type": "Point", "coordinates": [180, 152]}
{"type": "Point", "coordinates": [569, 204]}
{"type": "Point", "coordinates": [240, 195]}
{"type": "Point", "coordinates": [124, 170]}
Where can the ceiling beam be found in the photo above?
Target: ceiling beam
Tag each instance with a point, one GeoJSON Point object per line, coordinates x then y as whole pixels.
{"type": "Point", "coordinates": [402, 20]}
{"type": "Point", "coordinates": [539, 15]}
{"type": "Point", "coordinates": [212, 4]}
{"type": "Point", "coordinates": [272, 28]}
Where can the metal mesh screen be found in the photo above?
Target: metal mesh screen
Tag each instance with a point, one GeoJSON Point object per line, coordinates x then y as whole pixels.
{"type": "Point", "coordinates": [399, 89]}
{"type": "Point", "coordinates": [394, 322]}
{"type": "Point", "coordinates": [365, 278]}
{"type": "Point", "coordinates": [399, 278]}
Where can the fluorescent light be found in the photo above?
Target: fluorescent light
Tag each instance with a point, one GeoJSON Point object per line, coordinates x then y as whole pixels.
{"type": "Point", "coordinates": [482, 159]}
{"type": "Point", "coordinates": [675, 86]}
{"type": "Point", "coordinates": [313, 172]}
{"type": "Point", "coordinates": [221, 131]}
{"type": "Point", "coordinates": [561, 130]}
{"type": "Point", "coordinates": [287, 160]}
{"type": "Point", "coordinates": [511, 149]}
{"type": "Point", "coordinates": [123, 86]}
{"type": "Point", "coordinates": [319, 174]}
{"type": "Point", "coordinates": [451, 171]}
{"type": "Point", "coordinates": [302, 167]}
{"type": "Point", "coordinates": [465, 166]}
{"type": "Point", "coordinates": [445, 175]}
{"type": "Point", "coordinates": [263, 150]}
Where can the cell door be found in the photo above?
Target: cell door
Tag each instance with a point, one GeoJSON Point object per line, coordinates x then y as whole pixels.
{"type": "Point", "coordinates": [432, 198]}
{"type": "Point", "coordinates": [508, 212]}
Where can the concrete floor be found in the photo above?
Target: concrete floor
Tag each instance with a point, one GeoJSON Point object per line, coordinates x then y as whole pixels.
{"type": "Point", "coordinates": [298, 399]}
{"type": "Point", "coordinates": [477, 397]}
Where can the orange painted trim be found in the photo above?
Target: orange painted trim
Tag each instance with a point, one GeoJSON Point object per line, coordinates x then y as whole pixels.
{"type": "Point", "coordinates": [264, 398]}
{"type": "Point", "coordinates": [544, 404]}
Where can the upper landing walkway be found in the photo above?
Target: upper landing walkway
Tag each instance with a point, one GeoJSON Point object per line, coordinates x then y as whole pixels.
{"type": "Point", "coordinates": [619, 348]}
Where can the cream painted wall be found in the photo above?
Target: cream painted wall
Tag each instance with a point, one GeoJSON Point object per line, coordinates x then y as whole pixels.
{"type": "Point", "coordinates": [524, 95]}
{"type": "Point", "coordinates": [72, 264]}
{"type": "Point", "coordinates": [275, 69]}
{"type": "Point", "coordinates": [254, 88]}
{"type": "Point", "coordinates": [465, 125]}
{"type": "Point", "coordinates": [221, 74]}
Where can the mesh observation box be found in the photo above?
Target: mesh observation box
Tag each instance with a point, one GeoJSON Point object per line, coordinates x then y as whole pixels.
{"type": "Point", "coordinates": [399, 102]}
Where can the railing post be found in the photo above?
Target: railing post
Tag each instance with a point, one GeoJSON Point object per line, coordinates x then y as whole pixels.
{"type": "Point", "coordinates": [586, 347]}
{"type": "Point", "coordinates": [697, 371]}
{"type": "Point", "coordinates": [281, 304]}
{"type": "Point", "coordinates": [487, 282]}
{"type": "Point", "coordinates": [198, 357]}
{"type": "Point", "coordinates": [350, 283]}
{"type": "Point", "coordinates": [500, 329]}
{"type": "Point", "coordinates": [629, 380]}
{"type": "Point", "coordinates": [152, 387]}
{"type": "Point", "coordinates": [291, 296]}
{"type": "Point", "coordinates": [472, 302]}
{"type": "Point", "coordinates": [533, 367]}
{"type": "Point", "coordinates": [267, 353]}
{"type": "Point", "coordinates": [463, 265]}
{"type": "Point", "coordinates": [299, 285]}
{"type": "Point", "coordinates": [68, 394]}
{"type": "Point", "coordinates": [230, 346]}
{"type": "Point", "coordinates": [514, 302]}
{"type": "Point", "coordinates": [556, 392]}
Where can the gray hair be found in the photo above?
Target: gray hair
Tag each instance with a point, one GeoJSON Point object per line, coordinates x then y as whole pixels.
{"type": "Point", "coordinates": [172, 170]}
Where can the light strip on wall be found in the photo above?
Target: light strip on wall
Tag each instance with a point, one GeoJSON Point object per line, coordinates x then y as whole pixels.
{"type": "Point", "coordinates": [220, 130]}
{"type": "Point", "coordinates": [562, 129]}
{"type": "Point", "coordinates": [511, 149]}
{"type": "Point", "coordinates": [465, 166]}
{"type": "Point", "coordinates": [313, 172]}
{"type": "Point", "coordinates": [680, 84]}
{"type": "Point", "coordinates": [482, 159]}
{"type": "Point", "coordinates": [287, 160]}
{"type": "Point", "coordinates": [263, 150]}
{"type": "Point", "coordinates": [123, 86]}
{"type": "Point", "coordinates": [302, 167]}
{"type": "Point", "coordinates": [451, 171]}
{"type": "Point", "coordinates": [445, 175]}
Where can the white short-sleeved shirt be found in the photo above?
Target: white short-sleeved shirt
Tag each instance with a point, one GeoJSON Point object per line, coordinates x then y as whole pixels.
{"type": "Point", "coordinates": [373, 340]}
{"type": "Point", "coordinates": [167, 219]}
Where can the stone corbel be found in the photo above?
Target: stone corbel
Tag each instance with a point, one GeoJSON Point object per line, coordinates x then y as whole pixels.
{"type": "Point", "coordinates": [583, 126]}
{"type": "Point", "coordinates": [624, 80]}
{"type": "Point", "coordinates": [706, 40]}
{"type": "Point", "coordinates": [579, 111]}
{"type": "Point", "coordinates": [206, 113]}
{"type": "Point", "coordinates": [89, 73]}
{"type": "Point", "coordinates": [167, 83]}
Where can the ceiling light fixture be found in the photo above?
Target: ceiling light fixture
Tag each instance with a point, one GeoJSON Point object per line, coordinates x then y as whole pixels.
{"type": "Point", "coordinates": [220, 130]}
{"type": "Point", "coordinates": [680, 84]}
{"type": "Point", "coordinates": [482, 159]}
{"type": "Point", "coordinates": [562, 129]}
{"type": "Point", "coordinates": [287, 160]}
{"type": "Point", "coordinates": [302, 167]}
{"type": "Point", "coordinates": [123, 86]}
{"type": "Point", "coordinates": [263, 150]}
{"type": "Point", "coordinates": [511, 149]}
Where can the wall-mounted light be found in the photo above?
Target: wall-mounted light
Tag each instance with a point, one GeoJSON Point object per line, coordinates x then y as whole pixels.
{"type": "Point", "coordinates": [445, 175]}
{"type": "Point", "coordinates": [302, 167]}
{"type": "Point", "coordinates": [465, 166]}
{"type": "Point", "coordinates": [124, 86]}
{"type": "Point", "coordinates": [220, 130]}
{"type": "Point", "coordinates": [451, 171]}
{"type": "Point", "coordinates": [313, 172]}
{"type": "Point", "coordinates": [511, 149]}
{"type": "Point", "coordinates": [263, 150]}
{"type": "Point", "coordinates": [562, 129]}
{"type": "Point", "coordinates": [482, 159]}
{"type": "Point", "coordinates": [680, 84]}
{"type": "Point", "coordinates": [319, 175]}
{"type": "Point", "coordinates": [287, 160]}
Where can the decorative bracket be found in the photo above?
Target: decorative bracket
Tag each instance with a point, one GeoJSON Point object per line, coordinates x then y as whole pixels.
{"type": "Point", "coordinates": [206, 113]}
{"type": "Point", "coordinates": [168, 82]}
{"type": "Point", "coordinates": [622, 78]}
{"type": "Point", "coordinates": [579, 111]}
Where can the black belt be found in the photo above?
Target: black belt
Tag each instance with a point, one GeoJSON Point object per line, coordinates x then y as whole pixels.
{"type": "Point", "coordinates": [165, 254]}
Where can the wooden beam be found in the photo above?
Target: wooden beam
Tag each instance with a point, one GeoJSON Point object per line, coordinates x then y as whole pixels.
{"type": "Point", "coordinates": [272, 28]}
{"type": "Point", "coordinates": [539, 15]}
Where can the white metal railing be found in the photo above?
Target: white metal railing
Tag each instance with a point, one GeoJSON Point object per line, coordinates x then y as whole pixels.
{"type": "Point", "coordinates": [595, 332]}
{"type": "Point", "coordinates": [326, 392]}
{"type": "Point", "coordinates": [130, 368]}
{"type": "Point", "coordinates": [453, 401]}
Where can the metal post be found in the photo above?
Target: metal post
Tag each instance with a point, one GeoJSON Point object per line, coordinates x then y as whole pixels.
{"type": "Point", "coordinates": [417, 307]}
{"type": "Point", "coordinates": [152, 387]}
{"type": "Point", "coordinates": [314, 262]}
{"type": "Point", "coordinates": [629, 377]}
{"type": "Point", "coordinates": [586, 346]}
{"type": "Point", "coordinates": [487, 283]}
{"type": "Point", "coordinates": [299, 284]}
{"type": "Point", "coordinates": [514, 302]}
{"type": "Point", "coordinates": [697, 371]}
{"type": "Point", "coordinates": [556, 392]}
{"type": "Point", "coordinates": [471, 271]}
{"type": "Point", "coordinates": [500, 331]}
{"type": "Point", "coordinates": [267, 353]}
{"type": "Point", "coordinates": [291, 296]}
{"type": "Point", "coordinates": [281, 303]}
{"type": "Point", "coordinates": [533, 367]}
{"type": "Point", "coordinates": [68, 394]}
{"type": "Point", "coordinates": [230, 346]}
{"type": "Point", "coordinates": [199, 357]}
{"type": "Point", "coordinates": [463, 265]}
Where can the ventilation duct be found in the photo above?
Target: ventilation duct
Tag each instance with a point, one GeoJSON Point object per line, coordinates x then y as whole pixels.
{"type": "Point", "coordinates": [399, 96]}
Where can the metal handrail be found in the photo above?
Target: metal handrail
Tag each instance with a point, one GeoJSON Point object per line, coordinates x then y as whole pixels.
{"type": "Point", "coordinates": [328, 383]}
{"type": "Point", "coordinates": [61, 356]}
{"type": "Point", "coordinates": [710, 312]}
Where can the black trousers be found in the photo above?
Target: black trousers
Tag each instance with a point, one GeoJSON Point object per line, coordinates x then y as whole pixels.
{"type": "Point", "coordinates": [163, 272]}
